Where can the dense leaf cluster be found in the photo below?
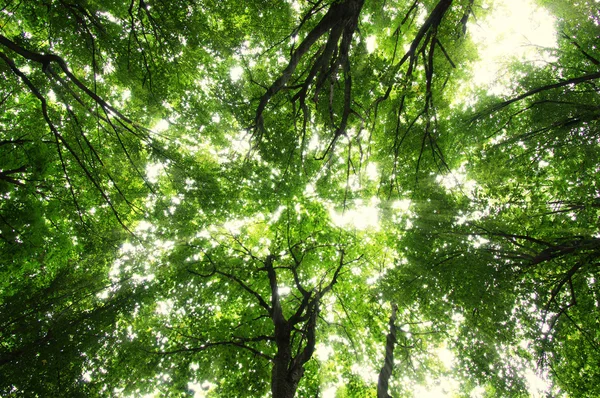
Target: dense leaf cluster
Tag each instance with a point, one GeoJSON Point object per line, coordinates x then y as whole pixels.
{"type": "Point", "coordinates": [292, 198]}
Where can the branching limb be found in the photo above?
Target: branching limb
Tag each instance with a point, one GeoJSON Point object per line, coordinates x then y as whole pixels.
{"type": "Point", "coordinates": [215, 270]}
{"type": "Point", "coordinates": [340, 22]}
{"type": "Point", "coordinates": [465, 18]}
{"type": "Point", "coordinates": [588, 56]}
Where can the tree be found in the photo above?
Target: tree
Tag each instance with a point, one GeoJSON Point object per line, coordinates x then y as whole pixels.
{"type": "Point", "coordinates": [272, 282]}
{"type": "Point", "coordinates": [177, 180]}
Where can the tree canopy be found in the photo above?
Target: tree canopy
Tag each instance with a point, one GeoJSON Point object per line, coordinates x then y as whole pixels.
{"type": "Point", "coordinates": [295, 198]}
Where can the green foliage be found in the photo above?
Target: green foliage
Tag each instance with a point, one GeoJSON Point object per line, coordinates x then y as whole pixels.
{"type": "Point", "coordinates": [177, 179]}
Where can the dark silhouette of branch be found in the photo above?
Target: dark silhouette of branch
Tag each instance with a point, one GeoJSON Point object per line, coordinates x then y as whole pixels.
{"type": "Point", "coordinates": [237, 280]}
{"type": "Point", "coordinates": [6, 175]}
{"type": "Point", "coordinates": [585, 53]}
{"type": "Point", "coordinates": [568, 82]}
{"type": "Point", "coordinates": [339, 23]}
{"type": "Point", "coordinates": [386, 371]}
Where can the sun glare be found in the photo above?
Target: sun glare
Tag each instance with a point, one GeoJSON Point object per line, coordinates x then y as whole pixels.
{"type": "Point", "coordinates": [371, 43]}
{"type": "Point", "coordinates": [361, 216]}
{"type": "Point", "coordinates": [161, 126]}
{"type": "Point", "coordinates": [201, 390]}
{"type": "Point", "coordinates": [154, 171]}
{"type": "Point", "coordinates": [515, 30]}
{"type": "Point", "coordinates": [236, 73]}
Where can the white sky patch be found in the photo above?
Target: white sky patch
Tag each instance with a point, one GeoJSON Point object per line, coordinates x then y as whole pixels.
{"type": "Point", "coordinates": [205, 83]}
{"type": "Point", "coordinates": [478, 241]}
{"type": "Point", "coordinates": [87, 376]}
{"type": "Point", "coordinates": [275, 216]}
{"type": "Point", "coordinates": [283, 290]}
{"type": "Point", "coordinates": [164, 307]}
{"type": "Point", "coordinates": [352, 183]}
{"type": "Point", "coordinates": [360, 217]}
{"type": "Point", "coordinates": [330, 392]}
{"type": "Point", "coordinates": [296, 6]}
{"type": "Point", "coordinates": [108, 68]}
{"type": "Point", "coordinates": [234, 226]}
{"type": "Point", "coordinates": [371, 43]}
{"type": "Point", "coordinates": [471, 216]}
{"type": "Point", "coordinates": [422, 14]}
{"type": "Point", "coordinates": [367, 374]}
{"type": "Point", "coordinates": [201, 390]}
{"type": "Point", "coordinates": [144, 226]}
{"type": "Point", "coordinates": [402, 205]}
{"type": "Point", "coordinates": [323, 352]}
{"type": "Point", "coordinates": [446, 357]}
{"type": "Point", "coordinates": [109, 16]}
{"type": "Point", "coordinates": [250, 49]}
{"type": "Point", "coordinates": [513, 30]}
{"type": "Point", "coordinates": [537, 386]}
{"type": "Point", "coordinates": [457, 179]}
{"type": "Point", "coordinates": [140, 279]}
{"type": "Point", "coordinates": [154, 171]}
{"type": "Point", "coordinates": [240, 144]}
{"type": "Point", "coordinates": [236, 73]}
{"type": "Point", "coordinates": [161, 126]}
{"type": "Point", "coordinates": [314, 144]}
{"type": "Point", "coordinates": [125, 95]}
{"type": "Point", "coordinates": [310, 189]}
{"type": "Point", "coordinates": [372, 172]}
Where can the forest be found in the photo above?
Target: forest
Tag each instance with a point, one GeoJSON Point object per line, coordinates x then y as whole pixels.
{"type": "Point", "coordinates": [298, 198]}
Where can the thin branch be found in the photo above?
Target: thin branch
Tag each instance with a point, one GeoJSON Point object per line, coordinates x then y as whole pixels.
{"type": "Point", "coordinates": [237, 280]}
{"type": "Point", "coordinates": [568, 82]}
{"type": "Point", "coordinates": [211, 345]}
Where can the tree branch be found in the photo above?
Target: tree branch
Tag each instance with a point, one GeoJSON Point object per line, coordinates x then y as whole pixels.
{"type": "Point", "coordinates": [568, 82]}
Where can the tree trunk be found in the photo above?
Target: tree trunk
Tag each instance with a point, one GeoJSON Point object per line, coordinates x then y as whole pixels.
{"type": "Point", "coordinates": [388, 367]}
{"type": "Point", "coordinates": [283, 382]}
{"type": "Point", "coordinates": [283, 388]}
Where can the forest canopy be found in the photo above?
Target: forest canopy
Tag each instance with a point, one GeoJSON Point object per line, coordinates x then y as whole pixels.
{"type": "Point", "coordinates": [300, 198]}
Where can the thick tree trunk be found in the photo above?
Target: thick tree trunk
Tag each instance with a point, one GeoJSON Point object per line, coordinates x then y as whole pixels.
{"type": "Point", "coordinates": [288, 367]}
{"type": "Point", "coordinates": [281, 387]}
{"type": "Point", "coordinates": [283, 382]}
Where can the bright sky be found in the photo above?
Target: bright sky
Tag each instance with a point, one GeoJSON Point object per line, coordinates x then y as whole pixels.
{"type": "Point", "coordinates": [514, 30]}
